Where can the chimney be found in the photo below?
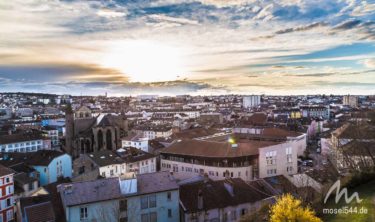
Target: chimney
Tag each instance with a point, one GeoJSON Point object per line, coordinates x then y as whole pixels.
{"type": "Point", "coordinates": [205, 178]}
{"type": "Point", "coordinates": [200, 199]}
{"type": "Point", "coordinates": [229, 187]}
{"type": "Point", "coordinates": [227, 175]}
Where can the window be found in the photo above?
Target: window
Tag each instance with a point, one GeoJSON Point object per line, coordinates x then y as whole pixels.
{"type": "Point", "coordinates": [144, 218]}
{"type": "Point", "coordinates": [31, 186]}
{"type": "Point", "coordinates": [83, 213]}
{"type": "Point", "coordinates": [123, 205]}
{"type": "Point", "coordinates": [7, 180]}
{"type": "Point", "coordinates": [169, 213]}
{"type": "Point", "coordinates": [144, 202]}
{"type": "Point", "coordinates": [243, 212]}
{"type": "Point", "coordinates": [153, 217]}
{"type": "Point", "coordinates": [9, 215]}
{"type": "Point", "coordinates": [152, 201]}
{"type": "Point", "coordinates": [169, 196]}
{"type": "Point", "coordinates": [9, 202]}
{"type": "Point", "coordinates": [234, 215]}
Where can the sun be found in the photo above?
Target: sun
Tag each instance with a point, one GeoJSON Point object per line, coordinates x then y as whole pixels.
{"type": "Point", "coordinates": [145, 61]}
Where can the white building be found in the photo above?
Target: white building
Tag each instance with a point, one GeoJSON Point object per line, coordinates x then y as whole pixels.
{"type": "Point", "coordinates": [240, 158]}
{"type": "Point", "coordinates": [251, 101]}
{"type": "Point", "coordinates": [23, 143]}
{"type": "Point", "coordinates": [137, 142]}
{"type": "Point", "coordinates": [106, 163]}
{"type": "Point", "coordinates": [351, 101]}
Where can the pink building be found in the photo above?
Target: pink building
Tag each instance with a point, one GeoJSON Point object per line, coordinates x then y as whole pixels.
{"type": "Point", "coordinates": [6, 194]}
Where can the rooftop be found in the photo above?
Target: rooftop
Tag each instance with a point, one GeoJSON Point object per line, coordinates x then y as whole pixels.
{"type": "Point", "coordinates": [217, 149]}
{"type": "Point", "coordinates": [156, 182]}
{"type": "Point", "coordinates": [89, 191]}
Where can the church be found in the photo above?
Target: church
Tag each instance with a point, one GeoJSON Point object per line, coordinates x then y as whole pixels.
{"type": "Point", "coordinates": [87, 132]}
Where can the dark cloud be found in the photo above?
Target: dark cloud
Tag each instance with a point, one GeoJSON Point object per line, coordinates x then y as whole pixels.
{"type": "Point", "coordinates": [294, 29]}
{"type": "Point", "coordinates": [312, 75]}
{"type": "Point", "coordinates": [347, 25]}
{"type": "Point", "coordinates": [301, 28]}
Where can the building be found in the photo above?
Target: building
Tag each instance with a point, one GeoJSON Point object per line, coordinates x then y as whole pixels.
{"type": "Point", "coordinates": [86, 133]}
{"type": "Point", "coordinates": [240, 157]}
{"type": "Point", "coordinates": [315, 111]}
{"type": "Point", "coordinates": [35, 208]}
{"type": "Point", "coordinates": [156, 199]}
{"type": "Point", "coordinates": [6, 194]}
{"type": "Point", "coordinates": [155, 131]}
{"type": "Point", "coordinates": [352, 146]}
{"type": "Point", "coordinates": [221, 200]}
{"type": "Point", "coordinates": [251, 101]}
{"type": "Point", "coordinates": [349, 100]}
{"type": "Point", "coordinates": [25, 142]}
{"type": "Point", "coordinates": [51, 165]}
{"type": "Point", "coordinates": [297, 140]}
{"type": "Point", "coordinates": [53, 134]}
{"type": "Point", "coordinates": [5, 113]}
{"type": "Point", "coordinates": [136, 141]}
{"type": "Point", "coordinates": [97, 200]}
{"type": "Point", "coordinates": [125, 162]}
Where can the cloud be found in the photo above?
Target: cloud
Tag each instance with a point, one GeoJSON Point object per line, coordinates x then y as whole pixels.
{"type": "Point", "coordinates": [369, 63]}
{"type": "Point", "coordinates": [302, 28]}
{"type": "Point", "coordinates": [165, 18]}
{"type": "Point", "coordinates": [110, 14]}
{"type": "Point", "coordinates": [347, 25]}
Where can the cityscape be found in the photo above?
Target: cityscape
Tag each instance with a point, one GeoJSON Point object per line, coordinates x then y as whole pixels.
{"type": "Point", "coordinates": [187, 111]}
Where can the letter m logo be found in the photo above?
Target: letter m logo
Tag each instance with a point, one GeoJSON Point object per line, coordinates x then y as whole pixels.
{"type": "Point", "coordinates": [344, 192]}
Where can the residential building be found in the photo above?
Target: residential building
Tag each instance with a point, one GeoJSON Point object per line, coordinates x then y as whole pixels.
{"type": "Point", "coordinates": [221, 200]}
{"type": "Point", "coordinates": [51, 165]}
{"type": "Point", "coordinates": [28, 142]}
{"type": "Point", "coordinates": [155, 200]}
{"type": "Point", "coordinates": [240, 157]}
{"type": "Point", "coordinates": [97, 200]}
{"type": "Point", "coordinates": [315, 111]}
{"type": "Point", "coordinates": [106, 163]}
{"type": "Point", "coordinates": [6, 194]}
{"type": "Point", "coordinates": [251, 101]}
{"type": "Point", "coordinates": [350, 100]}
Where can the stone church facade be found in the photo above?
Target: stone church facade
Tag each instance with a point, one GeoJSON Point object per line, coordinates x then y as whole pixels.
{"type": "Point", "coordinates": [86, 132]}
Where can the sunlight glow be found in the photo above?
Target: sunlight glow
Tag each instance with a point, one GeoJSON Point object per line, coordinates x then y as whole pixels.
{"type": "Point", "coordinates": [145, 61]}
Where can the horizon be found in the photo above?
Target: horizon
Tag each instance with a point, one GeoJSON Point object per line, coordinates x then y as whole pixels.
{"type": "Point", "coordinates": [195, 47]}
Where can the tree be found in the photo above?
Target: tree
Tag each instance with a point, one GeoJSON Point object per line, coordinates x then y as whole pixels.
{"type": "Point", "coordinates": [289, 209]}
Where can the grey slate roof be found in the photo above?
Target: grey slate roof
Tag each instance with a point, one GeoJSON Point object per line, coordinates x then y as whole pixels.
{"type": "Point", "coordinates": [156, 182]}
{"type": "Point", "coordinates": [89, 191]}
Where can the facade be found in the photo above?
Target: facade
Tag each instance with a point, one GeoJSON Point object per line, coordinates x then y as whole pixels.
{"type": "Point", "coordinates": [51, 165]}
{"type": "Point", "coordinates": [251, 101]}
{"type": "Point", "coordinates": [240, 158]}
{"type": "Point", "coordinates": [156, 131]}
{"type": "Point", "coordinates": [137, 142]}
{"type": "Point", "coordinates": [23, 143]}
{"type": "Point", "coordinates": [97, 200]}
{"type": "Point", "coordinates": [53, 134]}
{"type": "Point", "coordinates": [106, 163]}
{"type": "Point", "coordinates": [200, 200]}
{"type": "Point", "coordinates": [350, 100]}
{"type": "Point", "coordinates": [6, 194]}
{"type": "Point", "coordinates": [315, 111]}
{"type": "Point", "coordinates": [86, 133]}
{"type": "Point", "coordinates": [352, 146]}
{"type": "Point", "coordinates": [156, 199]}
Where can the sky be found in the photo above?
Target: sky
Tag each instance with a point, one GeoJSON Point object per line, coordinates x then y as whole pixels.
{"type": "Point", "coordinates": [197, 47]}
